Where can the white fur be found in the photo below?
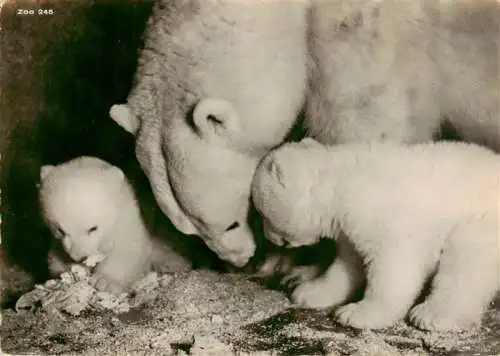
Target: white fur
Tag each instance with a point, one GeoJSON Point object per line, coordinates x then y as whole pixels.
{"type": "Point", "coordinates": [243, 63]}
{"type": "Point", "coordinates": [392, 70]}
{"type": "Point", "coordinates": [368, 71]}
{"type": "Point", "coordinates": [90, 208]}
{"type": "Point", "coordinates": [403, 211]}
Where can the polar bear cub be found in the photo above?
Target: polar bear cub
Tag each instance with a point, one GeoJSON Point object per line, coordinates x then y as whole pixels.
{"type": "Point", "coordinates": [90, 207]}
{"type": "Point", "coordinates": [400, 214]}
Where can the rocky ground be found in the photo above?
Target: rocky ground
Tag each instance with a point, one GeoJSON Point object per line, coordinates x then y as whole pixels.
{"type": "Point", "coordinates": [210, 313]}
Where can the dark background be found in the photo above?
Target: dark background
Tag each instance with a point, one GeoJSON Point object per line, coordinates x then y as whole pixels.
{"type": "Point", "coordinates": [59, 76]}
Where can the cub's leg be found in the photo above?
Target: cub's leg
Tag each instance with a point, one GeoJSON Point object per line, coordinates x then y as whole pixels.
{"type": "Point", "coordinates": [466, 279]}
{"type": "Point", "coordinates": [121, 268]}
{"type": "Point", "coordinates": [300, 274]}
{"type": "Point", "coordinates": [275, 263]}
{"type": "Point", "coordinates": [283, 263]}
{"type": "Point", "coordinates": [337, 284]}
{"type": "Point", "coordinates": [395, 275]}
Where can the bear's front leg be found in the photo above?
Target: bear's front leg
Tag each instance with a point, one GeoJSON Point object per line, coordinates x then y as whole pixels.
{"type": "Point", "coordinates": [466, 280]}
{"type": "Point", "coordinates": [338, 283]}
{"type": "Point", "coordinates": [394, 279]}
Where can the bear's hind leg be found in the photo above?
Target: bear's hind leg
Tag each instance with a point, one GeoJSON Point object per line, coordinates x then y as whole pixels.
{"type": "Point", "coordinates": [395, 276]}
{"type": "Point", "coordinates": [337, 284]}
{"type": "Point", "coordinates": [466, 279]}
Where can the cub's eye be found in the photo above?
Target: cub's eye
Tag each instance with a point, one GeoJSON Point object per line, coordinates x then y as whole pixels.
{"type": "Point", "coordinates": [233, 226]}
{"type": "Point", "coordinates": [92, 229]}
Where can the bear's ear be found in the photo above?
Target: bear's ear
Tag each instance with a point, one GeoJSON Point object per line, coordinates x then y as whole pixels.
{"type": "Point", "coordinates": [275, 170]}
{"type": "Point", "coordinates": [310, 142]}
{"type": "Point", "coordinates": [121, 114]}
{"type": "Point", "coordinates": [45, 170]}
{"type": "Point", "coordinates": [215, 117]}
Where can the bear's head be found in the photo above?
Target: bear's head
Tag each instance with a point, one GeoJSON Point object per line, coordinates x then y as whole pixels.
{"type": "Point", "coordinates": [81, 201]}
{"type": "Point", "coordinates": [209, 165]}
{"type": "Point", "coordinates": [219, 84]}
{"type": "Point", "coordinates": [286, 192]}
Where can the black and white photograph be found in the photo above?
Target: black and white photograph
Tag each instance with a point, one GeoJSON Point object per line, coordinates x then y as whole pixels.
{"type": "Point", "coordinates": [250, 177]}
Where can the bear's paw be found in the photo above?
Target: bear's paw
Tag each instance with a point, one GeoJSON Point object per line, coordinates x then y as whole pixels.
{"type": "Point", "coordinates": [365, 315]}
{"type": "Point", "coordinates": [429, 316]}
{"type": "Point", "coordinates": [319, 293]}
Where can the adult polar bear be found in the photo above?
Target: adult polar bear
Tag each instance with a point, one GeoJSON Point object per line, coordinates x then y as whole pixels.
{"type": "Point", "coordinates": [200, 162]}
{"type": "Point", "coordinates": [220, 83]}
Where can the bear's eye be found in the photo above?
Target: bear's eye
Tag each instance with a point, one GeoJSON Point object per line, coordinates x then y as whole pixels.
{"type": "Point", "coordinates": [92, 229]}
{"type": "Point", "coordinates": [233, 226]}
{"type": "Point", "coordinates": [61, 231]}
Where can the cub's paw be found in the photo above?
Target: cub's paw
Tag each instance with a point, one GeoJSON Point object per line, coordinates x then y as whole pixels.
{"type": "Point", "coordinates": [274, 264]}
{"type": "Point", "coordinates": [317, 294]}
{"type": "Point", "coordinates": [429, 316]}
{"type": "Point", "coordinates": [299, 275]}
{"type": "Point", "coordinates": [365, 315]}
{"type": "Point", "coordinates": [105, 283]}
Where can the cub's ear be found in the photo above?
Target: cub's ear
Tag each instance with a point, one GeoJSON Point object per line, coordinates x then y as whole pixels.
{"type": "Point", "coordinates": [310, 142]}
{"type": "Point", "coordinates": [45, 170]}
{"type": "Point", "coordinates": [121, 114]}
{"type": "Point", "coordinates": [275, 170]}
{"type": "Point", "coordinates": [215, 117]}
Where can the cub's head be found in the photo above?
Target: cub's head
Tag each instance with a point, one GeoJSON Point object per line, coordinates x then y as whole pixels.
{"type": "Point", "coordinates": [284, 191]}
{"type": "Point", "coordinates": [81, 201]}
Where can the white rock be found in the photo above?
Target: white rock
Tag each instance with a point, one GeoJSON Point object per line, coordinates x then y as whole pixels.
{"type": "Point", "coordinates": [209, 345]}
{"type": "Point", "coordinates": [76, 298]}
{"type": "Point", "coordinates": [217, 319]}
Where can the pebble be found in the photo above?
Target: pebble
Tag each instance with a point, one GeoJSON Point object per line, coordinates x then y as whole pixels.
{"type": "Point", "coordinates": [163, 345]}
{"type": "Point", "coordinates": [49, 284]}
{"type": "Point", "coordinates": [67, 278]}
{"type": "Point", "coordinates": [169, 338]}
{"type": "Point", "coordinates": [115, 321]}
{"type": "Point", "coordinates": [217, 319]}
{"type": "Point", "coordinates": [209, 345]}
{"type": "Point", "coordinates": [165, 280]}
